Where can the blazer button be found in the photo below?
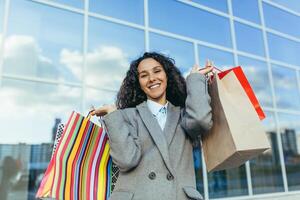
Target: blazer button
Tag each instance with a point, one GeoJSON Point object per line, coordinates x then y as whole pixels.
{"type": "Point", "coordinates": [170, 177]}
{"type": "Point", "coordinates": [152, 175]}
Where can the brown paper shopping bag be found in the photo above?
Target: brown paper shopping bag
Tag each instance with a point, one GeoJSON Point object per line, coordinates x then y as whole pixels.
{"type": "Point", "coordinates": [237, 134]}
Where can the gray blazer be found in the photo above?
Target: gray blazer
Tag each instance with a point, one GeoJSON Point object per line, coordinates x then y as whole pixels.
{"type": "Point", "coordinates": [156, 164]}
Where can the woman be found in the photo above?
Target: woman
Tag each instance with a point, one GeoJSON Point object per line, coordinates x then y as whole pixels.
{"type": "Point", "coordinates": [151, 128]}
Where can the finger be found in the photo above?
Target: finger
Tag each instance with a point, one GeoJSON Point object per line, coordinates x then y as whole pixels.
{"type": "Point", "coordinates": [206, 70]}
{"type": "Point", "coordinates": [195, 67]}
{"type": "Point", "coordinates": [208, 63]}
{"type": "Point", "coordinates": [99, 111]}
{"type": "Point", "coordinates": [92, 113]}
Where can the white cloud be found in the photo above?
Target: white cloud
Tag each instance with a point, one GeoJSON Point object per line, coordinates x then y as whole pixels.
{"type": "Point", "coordinates": [106, 65]}
{"type": "Point", "coordinates": [284, 79]}
{"type": "Point", "coordinates": [73, 60]}
{"type": "Point", "coordinates": [23, 56]}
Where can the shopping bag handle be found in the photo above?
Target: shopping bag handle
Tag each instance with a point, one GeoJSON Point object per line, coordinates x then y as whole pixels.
{"type": "Point", "coordinates": [100, 117]}
{"type": "Point", "coordinates": [92, 108]}
{"type": "Point", "coordinates": [217, 69]}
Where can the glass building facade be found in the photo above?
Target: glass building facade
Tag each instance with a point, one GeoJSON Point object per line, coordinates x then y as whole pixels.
{"type": "Point", "coordinates": [62, 55]}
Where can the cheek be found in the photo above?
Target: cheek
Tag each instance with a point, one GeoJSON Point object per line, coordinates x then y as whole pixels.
{"type": "Point", "coordinates": [165, 80]}
{"type": "Point", "coordinates": [142, 84]}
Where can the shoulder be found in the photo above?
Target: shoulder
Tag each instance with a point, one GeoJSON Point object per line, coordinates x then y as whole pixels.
{"type": "Point", "coordinates": [129, 114]}
{"type": "Point", "coordinates": [129, 111]}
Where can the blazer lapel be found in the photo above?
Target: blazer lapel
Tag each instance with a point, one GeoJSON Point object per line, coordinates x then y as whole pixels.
{"type": "Point", "coordinates": [155, 132]}
{"type": "Point", "coordinates": [171, 123]}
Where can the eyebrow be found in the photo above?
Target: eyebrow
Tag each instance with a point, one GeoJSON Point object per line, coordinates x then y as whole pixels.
{"type": "Point", "coordinates": [144, 71]}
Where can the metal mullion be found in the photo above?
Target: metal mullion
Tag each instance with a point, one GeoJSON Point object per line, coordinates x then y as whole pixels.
{"type": "Point", "coordinates": [249, 23]}
{"type": "Point", "coordinates": [263, 196]}
{"type": "Point", "coordinates": [85, 51]}
{"type": "Point", "coordinates": [232, 31]}
{"type": "Point", "coordinates": [205, 176]}
{"type": "Point", "coordinates": [59, 5]}
{"type": "Point", "coordinates": [280, 148]}
{"type": "Point", "coordinates": [249, 55]}
{"type": "Point", "coordinates": [202, 7]}
{"type": "Point", "coordinates": [283, 35]}
{"type": "Point", "coordinates": [294, 67]}
{"type": "Point", "coordinates": [282, 7]}
{"type": "Point", "coordinates": [5, 22]}
{"type": "Point", "coordinates": [286, 111]}
{"type": "Point", "coordinates": [101, 88]}
{"type": "Point", "coordinates": [40, 80]}
{"type": "Point", "coordinates": [115, 20]}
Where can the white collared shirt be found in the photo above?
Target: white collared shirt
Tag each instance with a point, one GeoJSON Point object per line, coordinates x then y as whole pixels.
{"type": "Point", "coordinates": [159, 112]}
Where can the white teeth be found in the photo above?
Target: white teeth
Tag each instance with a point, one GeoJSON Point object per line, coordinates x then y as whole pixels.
{"type": "Point", "coordinates": [154, 86]}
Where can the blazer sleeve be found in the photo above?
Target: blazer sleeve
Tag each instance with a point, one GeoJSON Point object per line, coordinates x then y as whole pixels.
{"type": "Point", "coordinates": [125, 147]}
{"type": "Point", "coordinates": [196, 116]}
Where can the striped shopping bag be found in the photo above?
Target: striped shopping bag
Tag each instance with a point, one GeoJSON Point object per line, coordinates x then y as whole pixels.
{"type": "Point", "coordinates": [81, 168]}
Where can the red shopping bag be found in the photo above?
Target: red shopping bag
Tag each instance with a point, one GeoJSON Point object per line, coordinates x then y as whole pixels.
{"type": "Point", "coordinates": [247, 87]}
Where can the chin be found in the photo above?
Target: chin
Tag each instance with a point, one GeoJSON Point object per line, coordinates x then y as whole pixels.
{"type": "Point", "coordinates": [155, 97]}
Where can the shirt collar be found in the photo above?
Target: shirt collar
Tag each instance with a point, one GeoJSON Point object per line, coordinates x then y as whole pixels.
{"type": "Point", "coordinates": [155, 107]}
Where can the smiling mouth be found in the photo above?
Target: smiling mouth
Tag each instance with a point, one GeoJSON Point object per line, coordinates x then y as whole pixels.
{"type": "Point", "coordinates": [154, 86]}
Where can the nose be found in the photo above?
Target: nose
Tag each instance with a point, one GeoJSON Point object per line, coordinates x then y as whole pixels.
{"type": "Point", "coordinates": [151, 77]}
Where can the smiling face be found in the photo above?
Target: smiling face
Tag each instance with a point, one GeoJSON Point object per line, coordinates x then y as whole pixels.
{"type": "Point", "coordinates": [153, 80]}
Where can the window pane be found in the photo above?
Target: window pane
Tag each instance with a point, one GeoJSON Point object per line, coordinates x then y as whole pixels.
{"type": "Point", "coordinates": [286, 88]}
{"type": "Point", "coordinates": [44, 42]}
{"type": "Point", "coordinates": [227, 183]}
{"type": "Point", "coordinates": [265, 169]}
{"type": "Point", "coordinates": [215, 4]}
{"type": "Point", "coordinates": [284, 50]}
{"type": "Point", "coordinates": [257, 75]}
{"type": "Point", "coordinates": [291, 4]}
{"type": "Point", "coordinates": [180, 15]}
{"type": "Point", "coordinates": [287, 20]}
{"type": "Point", "coordinates": [290, 136]}
{"type": "Point", "coordinates": [30, 113]}
{"type": "Point", "coordinates": [221, 59]}
{"type": "Point", "coordinates": [246, 9]}
{"type": "Point", "coordinates": [249, 39]}
{"type": "Point", "coordinates": [111, 48]}
{"type": "Point", "coordinates": [132, 11]}
{"type": "Point", "coordinates": [182, 52]}
{"type": "Point", "coordinates": [74, 3]}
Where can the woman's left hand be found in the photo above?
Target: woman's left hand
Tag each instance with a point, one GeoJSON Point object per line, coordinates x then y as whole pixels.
{"type": "Point", "coordinates": [102, 111]}
{"type": "Point", "coordinates": [207, 69]}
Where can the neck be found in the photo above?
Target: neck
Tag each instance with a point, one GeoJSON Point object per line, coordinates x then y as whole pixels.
{"type": "Point", "coordinates": [162, 100]}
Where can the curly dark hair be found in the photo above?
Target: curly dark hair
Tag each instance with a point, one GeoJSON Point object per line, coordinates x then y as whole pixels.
{"type": "Point", "coordinates": [131, 94]}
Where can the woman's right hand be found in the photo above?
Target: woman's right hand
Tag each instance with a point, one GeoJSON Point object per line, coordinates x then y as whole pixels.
{"type": "Point", "coordinates": [205, 71]}
{"type": "Point", "coordinates": [103, 110]}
